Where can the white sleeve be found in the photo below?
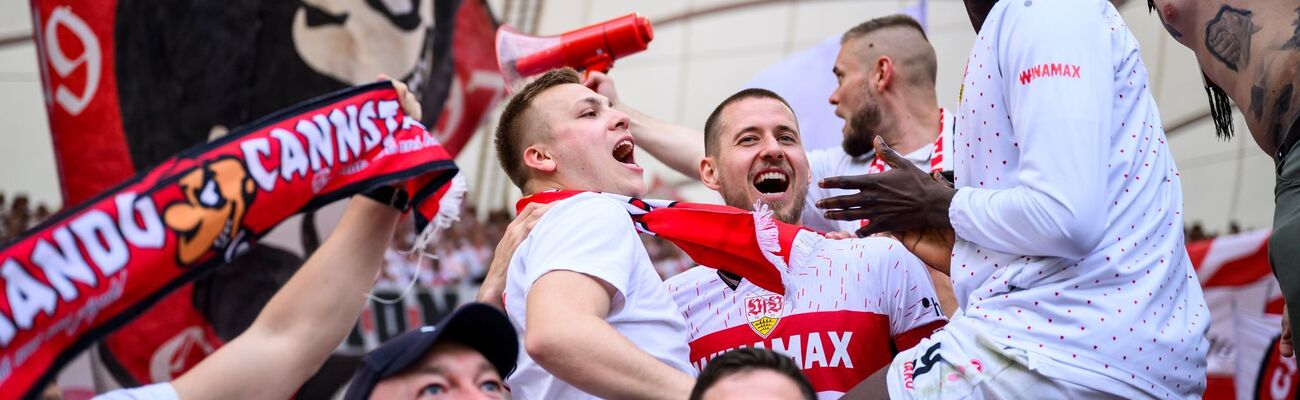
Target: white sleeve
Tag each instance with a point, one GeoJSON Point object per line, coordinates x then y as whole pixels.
{"type": "Point", "coordinates": [589, 235]}
{"type": "Point", "coordinates": [1062, 126]}
{"type": "Point", "coordinates": [157, 391]}
{"type": "Point", "coordinates": [820, 166]}
{"type": "Point", "coordinates": [904, 283]}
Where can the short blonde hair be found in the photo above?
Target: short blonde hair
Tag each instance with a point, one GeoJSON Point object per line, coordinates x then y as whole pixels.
{"type": "Point", "coordinates": [510, 138]}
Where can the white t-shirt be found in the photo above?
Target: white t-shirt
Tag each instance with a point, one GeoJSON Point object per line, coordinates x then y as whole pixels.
{"type": "Point", "coordinates": [1069, 208]}
{"type": "Point", "coordinates": [858, 302]}
{"type": "Point", "coordinates": [833, 161]}
{"type": "Point", "coordinates": [157, 391]}
{"type": "Point", "coordinates": [593, 235]}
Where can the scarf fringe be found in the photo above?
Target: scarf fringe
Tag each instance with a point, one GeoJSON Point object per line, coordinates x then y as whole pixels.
{"type": "Point", "coordinates": [769, 241]}
{"type": "Point", "coordinates": [765, 228]}
{"type": "Point", "coordinates": [448, 214]}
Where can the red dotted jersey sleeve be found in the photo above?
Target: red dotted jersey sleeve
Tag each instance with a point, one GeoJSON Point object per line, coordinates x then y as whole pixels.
{"type": "Point", "coordinates": [1059, 100]}
{"type": "Point", "coordinates": [891, 281]}
{"type": "Point", "coordinates": [911, 302]}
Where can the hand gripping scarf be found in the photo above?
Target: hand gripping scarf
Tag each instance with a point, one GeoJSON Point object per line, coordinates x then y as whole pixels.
{"type": "Point", "coordinates": [753, 245]}
{"type": "Point", "coordinates": [91, 268]}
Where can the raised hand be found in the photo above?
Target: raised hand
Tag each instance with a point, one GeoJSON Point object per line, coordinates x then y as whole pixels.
{"type": "Point", "coordinates": [494, 285]}
{"type": "Point", "coordinates": [601, 83]}
{"type": "Point", "coordinates": [410, 105]}
{"type": "Point", "coordinates": [902, 199]}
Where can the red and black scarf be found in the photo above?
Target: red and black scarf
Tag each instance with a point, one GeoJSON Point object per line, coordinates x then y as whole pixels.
{"type": "Point", "coordinates": [750, 244]}
{"type": "Point", "coordinates": [93, 267]}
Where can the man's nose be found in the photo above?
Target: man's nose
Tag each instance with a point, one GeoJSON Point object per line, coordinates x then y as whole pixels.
{"type": "Point", "coordinates": [772, 149]}
{"type": "Point", "coordinates": [471, 392]}
{"type": "Point", "coordinates": [481, 395]}
{"type": "Point", "coordinates": [621, 121]}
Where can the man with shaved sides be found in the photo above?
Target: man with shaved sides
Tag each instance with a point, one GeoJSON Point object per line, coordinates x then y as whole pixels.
{"type": "Point", "coordinates": [1069, 262]}
{"type": "Point", "coordinates": [886, 70]}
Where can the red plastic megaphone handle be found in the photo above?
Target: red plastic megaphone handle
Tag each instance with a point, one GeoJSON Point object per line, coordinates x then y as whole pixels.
{"type": "Point", "coordinates": [593, 47]}
{"type": "Point", "coordinates": [600, 63]}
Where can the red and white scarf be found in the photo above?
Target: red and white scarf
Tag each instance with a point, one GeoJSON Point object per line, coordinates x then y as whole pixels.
{"type": "Point", "coordinates": [936, 153]}
{"type": "Point", "coordinates": [95, 266]}
{"type": "Point", "coordinates": [753, 245]}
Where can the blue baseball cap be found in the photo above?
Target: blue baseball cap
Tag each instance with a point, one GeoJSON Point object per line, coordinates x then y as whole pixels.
{"type": "Point", "coordinates": [479, 326]}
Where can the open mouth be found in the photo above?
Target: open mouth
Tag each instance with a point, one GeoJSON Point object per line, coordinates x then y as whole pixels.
{"type": "Point", "coordinates": [772, 182]}
{"type": "Point", "coordinates": [625, 152]}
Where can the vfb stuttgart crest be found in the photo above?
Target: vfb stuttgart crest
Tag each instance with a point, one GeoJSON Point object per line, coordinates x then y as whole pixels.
{"type": "Point", "coordinates": [764, 311]}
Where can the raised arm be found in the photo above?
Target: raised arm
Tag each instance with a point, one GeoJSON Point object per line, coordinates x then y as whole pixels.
{"type": "Point", "coordinates": [305, 320]}
{"type": "Point", "coordinates": [568, 336]}
{"type": "Point", "coordinates": [494, 284]}
{"type": "Point", "coordinates": [679, 147]}
{"type": "Point", "coordinates": [310, 315]}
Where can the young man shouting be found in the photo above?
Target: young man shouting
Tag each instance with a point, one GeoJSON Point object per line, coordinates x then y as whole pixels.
{"type": "Point", "coordinates": [596, 319]}
{"type": "Point", "coordinates": [886, 72]}
{"type": "Point", "coordinates": [859, 301]}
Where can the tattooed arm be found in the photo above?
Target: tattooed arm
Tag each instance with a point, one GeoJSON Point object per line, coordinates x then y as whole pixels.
{"type": "Point", "coordinates": [1269, 104]}
{"type": "Point", "coordinates": [1248, 48]}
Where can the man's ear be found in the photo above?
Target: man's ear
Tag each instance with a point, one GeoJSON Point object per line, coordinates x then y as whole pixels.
{"type": "Point", "coordinates": [884, 73]}
{"type": "Point", "coordinates": [709, 173]}
{"type": "Point", "coordinates": [538, 157]}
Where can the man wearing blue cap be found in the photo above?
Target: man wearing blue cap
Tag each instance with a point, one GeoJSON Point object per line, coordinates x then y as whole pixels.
{"type": "Point", "coordinates": [467, 355]}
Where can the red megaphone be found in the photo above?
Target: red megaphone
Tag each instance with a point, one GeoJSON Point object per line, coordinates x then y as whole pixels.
{"type": "Point", "coordinates": [591, 48]}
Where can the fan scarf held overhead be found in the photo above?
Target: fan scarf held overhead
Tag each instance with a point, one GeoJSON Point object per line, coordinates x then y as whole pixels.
{"type": "Point", "coordinates": [94, 267]}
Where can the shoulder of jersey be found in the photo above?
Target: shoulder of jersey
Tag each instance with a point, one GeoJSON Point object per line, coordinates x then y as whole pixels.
{"type": "Point", "coordinates": [828, 154]}
{"type": "Point", "coordinates": [691, 277]}
{"type": "Point", "coordinates": [870, 242]}
{"type": "Point", "coordinates": [589, 202]}
{"type": "Point", "coordinates": [580, 212]}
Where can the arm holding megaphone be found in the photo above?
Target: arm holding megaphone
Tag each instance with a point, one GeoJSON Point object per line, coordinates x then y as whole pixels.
{"type": "Point", "coordinates": [590, 48]}
{"type": "Point", "coordinates": [679, 147]}
{"type": "Point", "coordinates": [594, 48]}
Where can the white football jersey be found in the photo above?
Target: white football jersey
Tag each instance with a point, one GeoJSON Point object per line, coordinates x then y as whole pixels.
{"type": "Point", "coordinates": [856, 303]}
{"type": "Point", "coordinates": [1068, 212]}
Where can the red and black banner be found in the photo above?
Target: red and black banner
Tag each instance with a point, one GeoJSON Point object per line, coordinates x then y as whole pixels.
{"type": "Point", "coordinates": [93, 267]}
{"type": "Point", "coordinates": [132, 82]}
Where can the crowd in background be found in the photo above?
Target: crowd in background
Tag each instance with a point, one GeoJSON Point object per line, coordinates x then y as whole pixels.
{"type": "Point", "coordinates": [1196, 232]}
{"type": "Point", "coordinates": [464, 254]}
{"type": "Point", "coordinates": [465, 251]}
{"type": "Point", "coordinates": [17, 213]}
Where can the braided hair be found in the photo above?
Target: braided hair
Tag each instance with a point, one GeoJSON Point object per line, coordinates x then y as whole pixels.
{"type": "Point", "coordinates": [1220, 109]}
{"type": "Point", "coordinates": [1220, 104]}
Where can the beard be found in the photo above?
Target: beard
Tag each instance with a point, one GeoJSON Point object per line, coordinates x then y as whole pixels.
{"type": "Point", "coordinates": [861, 130]}
{"type": "Point", "coordinates": [788, 210]}
{"type": "Point", "coordinates": [862, 126]}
